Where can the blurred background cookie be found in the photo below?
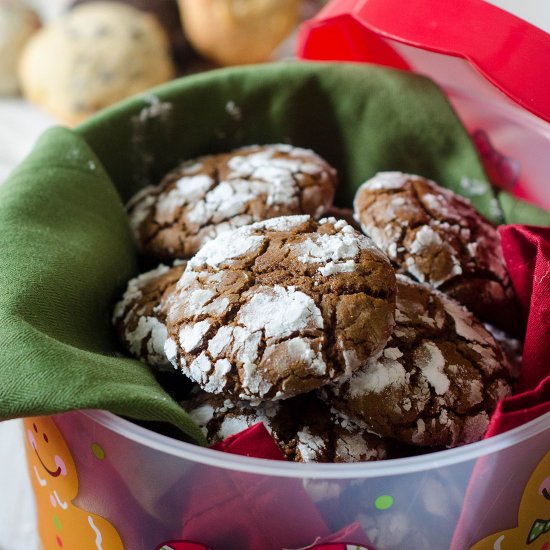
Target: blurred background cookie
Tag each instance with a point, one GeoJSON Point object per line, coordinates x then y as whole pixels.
{"type": "Point", "coordinates": [168, 15]}
{"type": "Point", "coordinates": [235, 32]}
{"type": "Point", "coordinates": [18, 22]}
{"type": "Point", "coordinates": [92, 57]}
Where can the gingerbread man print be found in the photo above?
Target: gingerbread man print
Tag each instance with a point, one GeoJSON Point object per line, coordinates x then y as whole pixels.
{"type": "Point", "coordinates": [62, 525]}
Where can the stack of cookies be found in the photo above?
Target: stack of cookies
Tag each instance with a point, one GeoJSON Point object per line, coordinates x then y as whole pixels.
{"type": "Point", "coordinates": [348, 345]}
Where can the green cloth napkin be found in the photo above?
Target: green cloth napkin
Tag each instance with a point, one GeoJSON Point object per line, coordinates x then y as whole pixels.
{"type": "Point", "coordinates": [65, 244]}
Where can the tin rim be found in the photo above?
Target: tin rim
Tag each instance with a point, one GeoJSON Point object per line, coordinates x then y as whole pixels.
{"type": "Point", "coordinates": [390, 467]}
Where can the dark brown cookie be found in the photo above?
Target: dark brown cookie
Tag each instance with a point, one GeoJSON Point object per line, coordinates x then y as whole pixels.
{"type": "Point", "coordinates": [204, 197]}
{"type": "Point", "coordinates": [435, 236]}
{"type": "Point", "coordinates": [280, 308]}
{"type": "Point", "coordinates": [438, 379]}
{"type": "Point", "coordinates": [305, 429]}
{"type": "Point", "coordinates": [140, 316]}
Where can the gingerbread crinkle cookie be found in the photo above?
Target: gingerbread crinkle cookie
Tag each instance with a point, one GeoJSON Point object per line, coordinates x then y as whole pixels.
{"type": "Point", "coordinates": [438, 379]}
{"type": "Point", "coordinates": [305, 428]}
{"type": "Point", "coordinates": [281, 307]}
{"type": "Point", "coordinates": [139, 317]}
{"type": "Point", "coordinates": [436, 237]}
{"type": "Point", "coordinates": [204, 197]}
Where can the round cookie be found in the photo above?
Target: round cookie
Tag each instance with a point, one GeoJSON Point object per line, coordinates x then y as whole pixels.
{"type": "Point", "coordinates": [140, 316]}
{"type": "Point", "coordinates": [17, 24]}
{"type": "Point", "coordinates": [168, 15]}
{"type": "Point", "coordinates": [434, 236]}
{"type": "Point", "coordinates": [280, 307]}
{"type": "Point", "coordinates": [209, 195]}
{"type": "Point", "coordinates": [93, 56]}
{"type": "Point", "coordinates": [305, 429]}
{"type": "Point", "coordinates": [235, 32]}
{"type": "Point", "coordinates": [438, 379]}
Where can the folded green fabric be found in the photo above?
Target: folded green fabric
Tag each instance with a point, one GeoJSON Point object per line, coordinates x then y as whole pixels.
{"type": "Point", "coordinates": [66, 252]}
{"type": "Point", "coordinates": [65, 244]}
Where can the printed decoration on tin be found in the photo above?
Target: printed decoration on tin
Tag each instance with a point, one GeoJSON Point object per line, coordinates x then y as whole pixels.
{"type": "Point", "coordinates": [182, 545]}
{"type": "Point", "coordinates": [533, 526]}
{"type": "Point", "coordinates": [338, 546]}
{"type": "Point", "coordinates": [502, 171]}
{"type": "Point", "coordinates": [61, 524]}
{"type": "Point", "coordinates": [187, 545]}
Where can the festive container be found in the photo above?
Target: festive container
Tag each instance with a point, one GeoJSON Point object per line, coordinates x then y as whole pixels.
{"type": "Point", "coordinates": [153, 489]}
{"type": "Point", "coordinates": [112, 483]}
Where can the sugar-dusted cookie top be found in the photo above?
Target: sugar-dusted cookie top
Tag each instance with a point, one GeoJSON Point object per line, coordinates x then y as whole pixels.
{"type": "Point", "coordinates": [281, 307]}
{"type": "Point", "coordinates": [139, 317]}
{"type": "Point", "coordinates": [435, 236]}
{"type": "Point", "coordinates": [438, 378]}
{"type": "Point", "coordinates": [209, 195]}
{"type": "Point", "coordinates": [305, 428]}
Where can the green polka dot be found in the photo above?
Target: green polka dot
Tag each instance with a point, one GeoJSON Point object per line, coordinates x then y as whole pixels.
{"type": "Point", "coordinates": [383, 502]}
{"type": "Point", "coordinates": [57, 523]}
{"type": "Point", "coordinates": [98, 451]}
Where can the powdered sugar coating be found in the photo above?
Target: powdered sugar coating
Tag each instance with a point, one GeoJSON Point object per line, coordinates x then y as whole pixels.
{"type": "Point", "coordinates": [280, 312]}
{"type": "Point", "coordinates": [267, 299]}
{"type": "Point", "coordinates": [438, 379]}
{"type": "Point", "coordinates": [139, 316]}
{"type": "Point", "coordinates": [204, 197]}
{"type": "Point", "coordinates": [304, 428]}
{"type": "Point", "coordinates": [226, 247]}
{"type": "Point", "coordinates": [435, 236]}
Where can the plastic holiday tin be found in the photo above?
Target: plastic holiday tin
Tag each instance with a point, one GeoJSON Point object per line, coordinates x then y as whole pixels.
{"type": "Point", "coordinates": [112, 484]}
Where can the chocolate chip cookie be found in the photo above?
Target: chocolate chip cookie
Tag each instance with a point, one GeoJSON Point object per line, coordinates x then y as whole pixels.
{"type": "Point", "coordinates": [280, 307]}
{"type": "Point", "coordinates": [436, 237]}
{"type": "Point", "coordinates": [139, 317]}
{"type": "Point", "coordinates": [204, 197]}
{"type": "Point", "coordinates": [437, 380]}
{"type": "Point", "coordinates": [92, 57]}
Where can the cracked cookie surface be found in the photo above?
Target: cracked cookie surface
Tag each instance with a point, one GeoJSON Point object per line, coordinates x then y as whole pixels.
{"type": "Point", "coordinates": [437, 380]}
{"type": "Point", "coordinates": [435, 236]}
{"type": "Point", "coordinates": [140, 316]}
{"type": "Point", "coordinates": [204, 197]}
{"type": "Point", "coordinates": [304, 427]}
{"type": "Point", "coordinates": [281, 307]}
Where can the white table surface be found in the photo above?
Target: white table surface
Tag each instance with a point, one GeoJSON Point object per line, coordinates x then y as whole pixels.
{"type": "Point", "coordinates": [20, 125]}
{"type": "Point", "coordinates": [17, 514]}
